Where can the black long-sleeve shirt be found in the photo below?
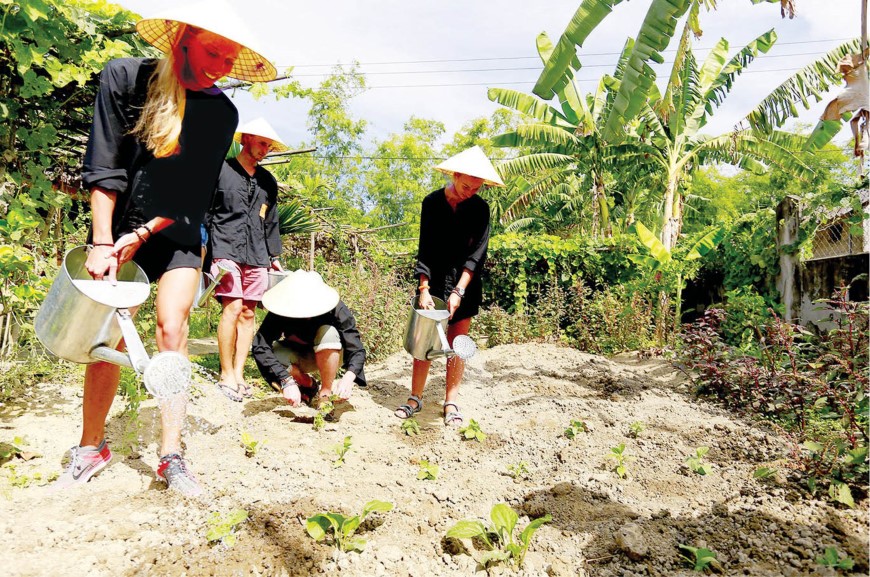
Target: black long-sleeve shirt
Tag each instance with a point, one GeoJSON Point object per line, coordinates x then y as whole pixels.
{"type": "Point", "coordinates": [179, 187]}
{"type": "Point", "coordinates": [276, 327]}
{"type": "Point", "coordinates": [451, 241]}
{"type": "Point", "coordinates": [243, 221]}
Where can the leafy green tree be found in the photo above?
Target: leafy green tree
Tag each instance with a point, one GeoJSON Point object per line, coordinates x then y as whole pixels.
{"type": "Point", "coordinates": [50, 55]}
{"type": "Point", "coordinates": [401, 175]}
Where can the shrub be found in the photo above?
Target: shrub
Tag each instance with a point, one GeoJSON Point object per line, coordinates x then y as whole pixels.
{"type": "Point", "coordinates": [612, 320]}
{"type": "Point", "coordinates": [745, 310]}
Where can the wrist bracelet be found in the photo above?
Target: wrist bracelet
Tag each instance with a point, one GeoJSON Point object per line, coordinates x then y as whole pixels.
{"type": "Point", "coordinates": [103, 244]}
{"type": "Point", "coordinates": [148, 228]}
{"type": "Point", "coordinates": [423, 287]}
{"type": "Point", "coordinates": [141, 239]}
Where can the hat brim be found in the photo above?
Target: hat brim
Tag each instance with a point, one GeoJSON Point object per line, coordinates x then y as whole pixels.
{"type": "Point", "coordinates": [250, 65]}
{"type": "Point", "coordinates": [285, 303]}
{"type": "Point", "coordinates": [277, 145]}
{"type": "Point", "coordinates": [486, 181]}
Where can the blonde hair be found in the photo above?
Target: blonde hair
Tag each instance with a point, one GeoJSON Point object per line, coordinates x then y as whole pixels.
{"type": "Point", "coordinates": [159, 125]}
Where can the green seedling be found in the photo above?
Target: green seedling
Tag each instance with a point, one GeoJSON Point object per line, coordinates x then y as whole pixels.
{"type": "Point", "coordinates": [499, 537]}
{"type": "Point", "coordinates": [223, 528]}
{"type": "Point", "coordinates": [575, 428]}
{"type": "Point", "coordinates": [519, 470]}
{"type": "Point", "coordinates": [23, 481]}
{"type": "Point", "coordinates": [15, 449]}
{"type": "Point", "coordinates": [635, 429]}
{"type": "Point", "coordinates": [620, 459]}
{"type": "Point", "coordinates": [411, 427]}
{"type": "Point", "coordinates": [341, 450]}
{"type": "Point", "coordinates": [324, 412]}
{"type": "Point", "coordinates": [472, 431]}
{"type": "Point", "coordinates": [701, 559]}
{"type": "Point", "coordinates": [696, 461]}
{"type": "Point", "coordinates": [831, 558]}
{"type": "Point", "coordinates": [428, 471]}
{"type": "Point", "coordinates": [251, 445]}
{"type": "Point", "coordinates": [763, 473]}
{"type": "Point", "coordinates": [840, 492]}
{"type": "Point", "coordinates": [341, 529]}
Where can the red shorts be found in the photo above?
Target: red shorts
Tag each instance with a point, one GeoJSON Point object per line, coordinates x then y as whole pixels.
{"type": "Point", "coordinates": [242, 281]}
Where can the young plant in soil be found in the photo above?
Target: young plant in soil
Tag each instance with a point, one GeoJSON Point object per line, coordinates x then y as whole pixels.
{"type": "Point", "coordinates": [499, 536]}
{"type": "Point", "coordinates": [701, 559]}
{"type": "Point", "coordinates": [764, 473]}
{"type": "Point", "coordinates": [341, 450]}
{"type": "Point", "coordinates": [472, 431]}
{"type": "Point", "coordinates": [620, 460]}
{"type": "Point", "coordinates": [341, 529]}
{"type": "Point", "coordinates": [411, 427]}
{"type": "Point", "coordinates": [223, 528]}
{"type": "Point", "coordinates": [324, 412]}
{"type": "Point", "coordinates": [251, 445]}
{"type": "Point", "coordinates": [519, 471]}
{"type": "Point", "coordinates": [635, 429]}
{"type": "Point", "coordinates": [831, 558]}
{"type": "Point", "coordinates": [696, 462]}
{"type": "Point", "coordinates": [575, 428]}
{"type": "Point", "coordinates": [428, 471]}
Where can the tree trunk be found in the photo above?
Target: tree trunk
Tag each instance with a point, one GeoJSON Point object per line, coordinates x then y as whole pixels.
{"type": "Point", "coordinates": [672, 218]}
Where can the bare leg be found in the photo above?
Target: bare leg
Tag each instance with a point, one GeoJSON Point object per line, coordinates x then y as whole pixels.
{"type": "Point", "coordinates": [327, 364]}
{"type": "Point", "coordinates": [175, 293]}
{"type": "Point", "coordinates": [419, 374]}
{"type": "Point", "coordinates": [455, 366]}
{"type": "Point", "coordinates": [227, 333]}
{"type": "Point", "coordinates": [244, 338]}
{"type": "Point", "coordinates": [101, 384]}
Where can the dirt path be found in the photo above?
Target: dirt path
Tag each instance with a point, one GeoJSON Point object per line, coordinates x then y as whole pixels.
{"type": "Point", "coordinates": [124, 523]}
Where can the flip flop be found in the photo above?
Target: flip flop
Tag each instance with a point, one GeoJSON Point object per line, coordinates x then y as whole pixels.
{"type": "Point", "coordinates": [229, 392]}
{"type": "Point", "coordinates": [246, 390]}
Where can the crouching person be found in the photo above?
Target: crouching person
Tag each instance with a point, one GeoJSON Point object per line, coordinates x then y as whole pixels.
{"type": "Point", "coordinates": [308, 329]}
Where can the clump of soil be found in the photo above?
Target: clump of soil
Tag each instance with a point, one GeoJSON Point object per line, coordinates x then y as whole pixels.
{"type": "Point", "coordinates": [124, 523]}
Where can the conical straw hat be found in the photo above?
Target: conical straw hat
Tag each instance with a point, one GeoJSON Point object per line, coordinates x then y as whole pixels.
{"type": "Point", "coordinates": [472, 162]}
{"type": "Point", "coordinates": [215, 16]}
{"type": "Point", "coordinates": [302, 294]}
{"type": "Point", "coordinates": [259, 127]}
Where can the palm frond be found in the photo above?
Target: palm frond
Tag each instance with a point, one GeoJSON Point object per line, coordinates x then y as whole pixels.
{"type": "Point", "coordinates": [293, 218]}
{"type": "Point", "coordinates": [557, 71]}
{"type": "Point", "coordinates": [654, 36]}
{"type": "Point", "coordinates": [812, 80]}
{"type": "Point", "coordinates": [528, 105]}
{"type": "Point", "coordinates": [717, 78]}
{"type": "Point", "coordinates": [532, 163]}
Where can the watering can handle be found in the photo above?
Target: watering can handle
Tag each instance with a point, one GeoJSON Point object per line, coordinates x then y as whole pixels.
{"type": "Point", "coordinates": [445, 351]}
{"type": "Point", "coordinates": [138, 355]}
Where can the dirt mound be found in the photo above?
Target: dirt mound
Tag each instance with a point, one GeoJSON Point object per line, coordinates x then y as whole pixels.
{"type": "Point", "coordinates": [124, 523]}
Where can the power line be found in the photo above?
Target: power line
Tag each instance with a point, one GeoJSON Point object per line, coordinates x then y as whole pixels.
{"type": "Point", "coordinates": [521, 57]}
{"type": "Point", "coordinates": [608, 65]}
{"type": "Point", "coordinates": [495, 84]}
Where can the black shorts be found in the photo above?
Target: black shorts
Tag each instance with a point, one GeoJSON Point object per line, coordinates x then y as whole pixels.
{"type": "Point", "coordinates": [159, 254]}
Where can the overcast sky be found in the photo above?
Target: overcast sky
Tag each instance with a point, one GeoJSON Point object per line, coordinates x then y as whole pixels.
{"type": "Point", "coordinates": [469, 39]}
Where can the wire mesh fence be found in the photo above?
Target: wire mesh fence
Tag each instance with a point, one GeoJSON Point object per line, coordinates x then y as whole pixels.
{"type": "Point", "coordinates": [837, 239]}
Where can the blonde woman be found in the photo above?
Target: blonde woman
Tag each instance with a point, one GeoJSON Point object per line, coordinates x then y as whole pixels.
{"type": "Point", "coordinates": [160, 132]}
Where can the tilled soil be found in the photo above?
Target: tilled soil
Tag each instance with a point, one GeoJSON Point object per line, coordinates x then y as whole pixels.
{"type": "Point", "coordinates": [123, 522]}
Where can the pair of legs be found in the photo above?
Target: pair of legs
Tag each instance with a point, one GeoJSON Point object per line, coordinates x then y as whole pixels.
{"type": "Point", "coordinates": [175, 293]}
{"type": "Point", "coordinates": [455, 370]}
{"type": "Point", "coordinates": [239, 291]}
{"type": "Point", "coordinates": [323, 356]}
{"type": "Point", "coordinates": [235, 334]}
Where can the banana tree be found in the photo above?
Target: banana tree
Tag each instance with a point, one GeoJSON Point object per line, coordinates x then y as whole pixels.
{"type": "Point", "coordinates": [670, 124]}
{"type": "Point", "coordinates": [655, 34]}
{"type": "Point", "coordinates": [659, 260]}
{"type": "Point", "coordinates": [567, 151]}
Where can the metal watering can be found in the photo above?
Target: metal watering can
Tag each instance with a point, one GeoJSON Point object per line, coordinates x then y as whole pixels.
{"type": "Point", "coordinates": [82, 320]}
{"type": "Point", "coordinates": [207, 286]}
{"type": "Point", "coordinates": [426, 334]}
